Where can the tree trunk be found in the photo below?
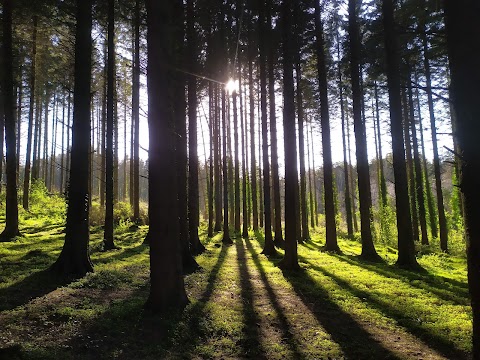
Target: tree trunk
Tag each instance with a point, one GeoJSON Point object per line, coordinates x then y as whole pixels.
{"type": "Point", "coordinates": [290, 260]}
{"type": "Point", "coordinates": [136, 115]}
{"type": "Point", "coordinates": [331, 227]}
{"type": "Point", "coordinates": [26, 177]}
{"type": "Point", "coordinates": [442, 221]}
{"type": "Point", "coordinates": [410, 173]}
{"type": "Point", "coordinates": [314, 180]}
{"type": "Point", "coordinates": [406, 246]}
{"type": "Point", "coordinates": [11, 212]}
{"type": "Point", "coordinates": [217, 164]}
{"type": "Point", "coordinates": [75, 257]}
{"type": "Point", "coordinates": [167, 288]}
{"type": "Point", "coordinates": [418, 168]}
{"type": "Point", "coordinates": [108, 243]}
{"type": "Point", "coordinates": [211, 124]}
{"type": "Point", "coordinates": [103, 179]}
{"type": "Point", "coordinates": [310, 188]}
{"type": "Point", "coordinates": [244, 171]}
{"type": "Point", "coordinates": [351, 177]}
{"type": "Point", "coordinates": [226, 240]}
{"type": "Point", "coordinates": [253, 166]}
{"type": "Point", "coordinates": [364, 191]}
{"type": "Point", "coordinates": [461, 19]}
{"type": "Point", "coordinates": [269, 247]}
{"type": "Point", "coordinates": [383, 184]}
{"type": "Point", "coordinates": [193, 193]}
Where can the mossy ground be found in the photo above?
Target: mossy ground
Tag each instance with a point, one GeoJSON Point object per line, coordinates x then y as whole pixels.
{"type": "Point", "coordinates": [241, 304]}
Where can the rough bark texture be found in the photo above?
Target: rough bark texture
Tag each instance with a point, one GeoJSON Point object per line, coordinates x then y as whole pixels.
{"type": "Point", "coordinates": [135, 114]}
{"type": "Point", "coordinates": [26, 177]}
{"type": "Point", "coordinates": [331, 243]}
{"type": "Point", "coordinates": [108, 243]}
{"type": "Point", "coordinates": [11, 225]}
{"type": "Point", "coordinates": [290, 260]}
{"type": "Point", "coordinates": [75, 257]}
{"type": "Point", "coordinates": [364, 192]}
{"type": "Point", "coordinates": [406, 247]}
{"type": "Point", "coordinates": [462, 18]}
{"type": "Point", "coordinates": [166, 281]}
{"type": "Point", "coordinates": [269, 247]}
{"type": "Point", "coordinates": [193, 193]}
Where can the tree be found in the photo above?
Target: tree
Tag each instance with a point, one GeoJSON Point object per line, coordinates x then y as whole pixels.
{"type": "Point", "coordinates": [11, 226]}
{"type": "Point", "coordinates": [193, 193]}
{"type": "Point", "coordinates": [75, 258]}
{"type": "Point", "coordinates": [269, 247]}
{"type": "Point", "coordinates": [364, 192]}
{"type": "Point", "coordinates": [167, 288]}
{"type": "Point", "coordinates": [290, 260]}
{"type": "Point", "coordinates": [108, 243]}
{"type": "Point", "coordinates": [253, 166]}
{"type": "Point", "coordinates": [331, 228]}
{"type": "Point", "coordinates": [26, 177]}
{"type": "Point", "coordinates": [406, 246]}
{"type": "Point", "coordinates": [461, 19]}
{"type": "Point", "coordinates": [135, 112]}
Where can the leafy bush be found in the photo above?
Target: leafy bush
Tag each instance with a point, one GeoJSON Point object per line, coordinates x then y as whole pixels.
{"type": "Point", "coordinates": [44, 204]}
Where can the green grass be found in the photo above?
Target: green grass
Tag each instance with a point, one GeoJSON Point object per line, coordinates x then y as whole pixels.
{"type": "Point", "coordinates": [241, 304]}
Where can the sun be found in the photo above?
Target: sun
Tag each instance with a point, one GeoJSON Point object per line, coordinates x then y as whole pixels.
{"type": "Point", "coordinates": [231, 86]}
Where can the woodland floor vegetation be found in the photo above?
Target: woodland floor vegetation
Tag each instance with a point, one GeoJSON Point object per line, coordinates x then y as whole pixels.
{"type": "Point", "coordinates": [242, 304]}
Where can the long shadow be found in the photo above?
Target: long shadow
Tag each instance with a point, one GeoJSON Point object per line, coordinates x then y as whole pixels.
{"type": "Point", "coordinates": [284, 324]}
{"type": "Point", "coordinates": [458, 288]}
{"type": "Point", "coordinates": [31, 230]}
{"type": "Point", "coordinates": [428, 282]}
{"type": "Point", "coordinates": [32, 242]}
{"type": "Point", "coordinates": [354, 340]}
{"type": "Point", "coordinates": [33, 286]}
{"type": "Point", "coordinates": [439, 344]}
{"type": "Point", "coordinates": [251, 344]}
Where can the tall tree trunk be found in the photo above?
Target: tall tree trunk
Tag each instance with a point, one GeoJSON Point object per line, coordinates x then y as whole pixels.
{"type": "Point", "coordinates": [383, 184]}
{"type": "Point", "coordinates": [428, 188]}
{"type": "Point", "coordinates": [269, 247]}
{"type": "Point", "coordinates": [364, 191]}
{"type": "Point", "coordinates": [186, 231]}
{"type": "Point", "coordinates": [217, 162]}
{"type": "Point", "coordinates": [11, 226]}
{"type": "Point", "coordinates": [305, 234]}
{"type": "Point", "coordinates": [253, 166]}
{"type": "Point", "coordinates": [36, 137]}
{"type": "Point", "coordinates": [331, 228]}
{"type": "Point", "coordinates": [19, 115]}
{"type": "Point", "coordinates": [108, 243]}
{"type": "Point", "coordinates": [2, 118]}
{"type": "Point", "coordinates": [211, 123]}
{"type": "Point", "coordinates": [26, 177]}
{"type": "Point", "coordinates": [45, 137]}
{"type": "Point", "coordinates": [406, 246]}
{"type": "Point", "coordinates": [315, 197]}
{"type": "Point", "coordinates": [271, 59]}
{"type": "Point", "coordinates": [418, 168]}
{"type": "Point", "coordinates": [103, 178]}
{"type": "Point", "coordinates": [461, 19]}
{"type": "Point", "coordinates": [226, 240]}
{"type": "Point", "coordinates": [410, 173]}
{"type": "Point", "coordinates": [236, 164]}
{"type": "Point", "coordinates": [193, 193]}
{"type": "Point", "coordinates": [310, 188]}
{"type": "Point", "coordinates": [348, 204]}
{"type": "Point", "coordinates": [260, 181]}
{"type": "Point", "coordinates": [290, 260]}
{"type": "Point", "coordinates": [167, 288]}
{"type": "Point", "coordinates": [75, 256]}
{"type": "Point", "coordinates": [351, 177]}
{"type": "Point", "coordinates": [245, 215]}
{"type": "Point", "coordinates": [136, 114]}
{"type": "Point", "coordinates": [442, 221]}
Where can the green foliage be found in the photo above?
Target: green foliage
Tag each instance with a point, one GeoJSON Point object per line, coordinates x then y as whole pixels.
{"type": "Point", "coordinates": [385, 225]}
{"type": "Point", "coordinates": [45, 205]}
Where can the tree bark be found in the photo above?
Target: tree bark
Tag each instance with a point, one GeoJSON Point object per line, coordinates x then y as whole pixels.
{"type": "Point", "coordinates": [11, 226]}
{"type": "Point", "coordinates": [461, 19]}
{"type": "Point", "coordinates": [226, 240]}
{"type": "Point", "coordinates": [383, 184]}
{"type": "Point", "coordinates": [406, 246]}
{"type": "Point", "coordinates": [331, 243]}
{"type": "Point", "coordinates": [253, 166]}
{"type": "Point", "coordinates": [364, 191]}
{"type": "Point", "coordinates": [167, 288]}
{"type": "Point", "coordinates": [290, 260]}
{"type": "Point", "coordinates": [26, 177]}
{"type": "Point", "coordinates": [136, 114]}
{"type": "Point", "coordinates": [75, 258]}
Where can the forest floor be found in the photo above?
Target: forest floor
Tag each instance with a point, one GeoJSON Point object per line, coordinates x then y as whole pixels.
{"type": "Point", "coordinates": [241, 304]}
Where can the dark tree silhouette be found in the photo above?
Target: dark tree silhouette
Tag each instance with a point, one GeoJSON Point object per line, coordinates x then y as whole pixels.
{"type": "Point", "coordinates": [166, 281]}
{"type": "Point", "coordinates": [75, 258]}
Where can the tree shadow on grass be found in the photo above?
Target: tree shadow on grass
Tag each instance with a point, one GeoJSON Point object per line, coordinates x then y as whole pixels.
{"type": "Point", "coordinates": [353, 339]}
{"type": "Point", "coordinates": [251, 345]}
{"type": "Point", "coordinates": [439, 344]}
{"type": "Point", "coordinates": [35, 229]}
{"type": "Point", "coordinates": [456, 292]}
{"type": "Point", "coordinates": [33, 286]}
{"type": "Point", "coordinates": [284, 325]}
